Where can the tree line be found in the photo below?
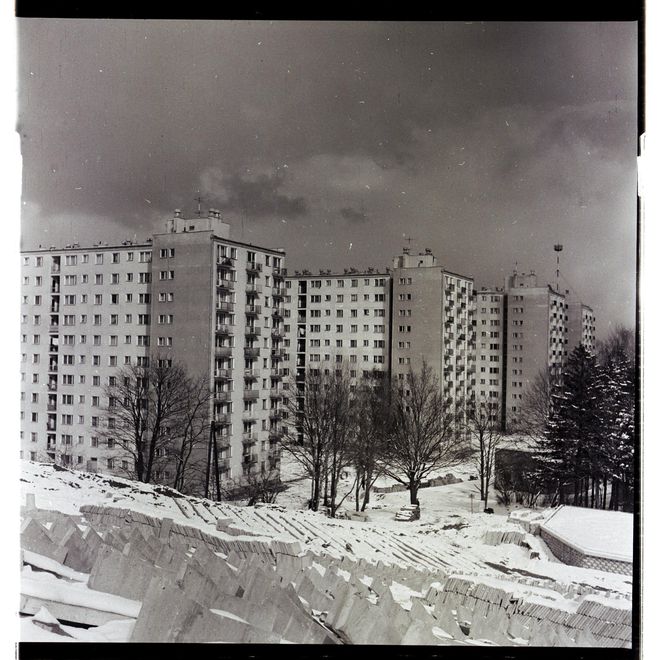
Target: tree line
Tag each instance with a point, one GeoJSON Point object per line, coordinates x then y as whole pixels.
{"type": "Point", "coordinates": [583, 425]}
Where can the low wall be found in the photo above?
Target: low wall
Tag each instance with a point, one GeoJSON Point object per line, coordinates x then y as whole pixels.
{"type": "Point", "coordinates": [569, 555]}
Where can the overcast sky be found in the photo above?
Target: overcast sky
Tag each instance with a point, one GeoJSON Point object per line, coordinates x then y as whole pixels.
{"type": "Point", "coordinates": [487, 143]}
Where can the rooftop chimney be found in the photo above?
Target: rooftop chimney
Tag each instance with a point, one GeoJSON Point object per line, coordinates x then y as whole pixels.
{"type": "Point", "coordinates": [406, 250]}
{"type": "Point", "coordinates": [177, 213]}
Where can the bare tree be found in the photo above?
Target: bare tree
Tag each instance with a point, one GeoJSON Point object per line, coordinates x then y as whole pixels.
{"type": "Point", "coordinates": [534, 411]}
{"type": "Point", "coordinates": [191, 436]}
{"type": "Point", "coordinates": [147, 407]}
{"type": "Point", "coordinates": [372, 410]}
{"type": "Point", "coordinates": [254, 487]}
{"type": "Point", "coordinates": [423, 434]}
{"type": "Point", "coordinates": [307, 428]}
{"type": "Point", "coordinates": [483, 424]}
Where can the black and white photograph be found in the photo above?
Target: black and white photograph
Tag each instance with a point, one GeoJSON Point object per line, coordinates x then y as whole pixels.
{"type": "Point", "coordinates": [329, 332]}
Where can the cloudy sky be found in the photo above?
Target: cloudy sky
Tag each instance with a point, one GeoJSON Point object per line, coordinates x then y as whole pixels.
{"type": "Point", "coordinates": [486, 142]}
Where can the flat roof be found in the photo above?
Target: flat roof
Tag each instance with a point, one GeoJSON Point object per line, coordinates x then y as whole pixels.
{"type": "Point", "coordinates": [336, 275]}
{"type": "Point", "coordinates": [594, 532]}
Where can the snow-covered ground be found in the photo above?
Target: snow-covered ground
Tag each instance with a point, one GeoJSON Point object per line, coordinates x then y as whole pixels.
{"type": "Point", "coordinates": [448, 539]}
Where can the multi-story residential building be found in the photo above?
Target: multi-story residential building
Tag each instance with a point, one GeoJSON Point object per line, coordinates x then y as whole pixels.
{"type": "Point", "coordinates": [340, 321]}
{"type": "Point", "coordinates": [190, 295]}
{"type": "Point", "coordinates": [433, 321]}
{"type": "Point", "coordinates": [536, 337]}
{"type": "Point", "coordinates": [490, 351]}
{"type": "Point", "coordinates": [580, 326]}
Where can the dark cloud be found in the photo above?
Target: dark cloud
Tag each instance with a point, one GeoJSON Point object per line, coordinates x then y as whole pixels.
{"type": "Point", "coordinates": [257, 195]}
{"type": "Point", "coordinates": [484, 141]}
{"type": "Point", "coordinates": [352, 214]}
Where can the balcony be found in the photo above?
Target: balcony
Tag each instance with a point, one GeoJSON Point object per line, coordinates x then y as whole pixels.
{"type": "Point", "coordinates": [52, 386]}
{"type": "Point", "coordinates": [277, 333]}
{"type": "Point", "coordinates": [279, 291]}
{"type": "Point", "coordinates": [276, 372]}
{"type": "Point", "coordinates": [223, 374]}
{"type": "Point", "coordinates": [249, 439]}
{"type": "Point", "coordinates": [53, 348]}
{"type": "Point", "coordinates": [249, 459]}
{"type": "Point", "coordinates": [254, 289]}
{"type": "Point", "coordinates": [55, 268]}
{"type": "Point", "coordinates": [223, 351]}
{"type": "Point", "coordinates": [252, 330]}
{"type": "Point", "coordinates": [53, 327]}
{"type": "Point", "coordinates": [274, 436]}
{"type": "Point", "coordinates": [225, 262]}
{"type": "Point", "coordinates": [224, 464]}
{"type": "Point", "coordinates": [225, 306]}
{"type": "Point", "coordinates": [275, 413]}
{"type": "Point", "coordinates": [278, 313]}
{"type": "Point", "coordinates": [248, 415]}
{"type": "Point", "coordinates": [254, 267]}
{"type": "Point", "coordinates": [223, 441]}
{"type": "Point", "coordinates": [251, 352]}
{"type": "Point", "coordinates": [51, 407]}
{"type": "Point", "coordinates": [53, 367]}
{"type": "Point", "coordinates": [252, 310]}
{"type": "Point", "coordinates": [278, 354]}
{"type": "Point", "coordinates": [275, 393]}
{"type": "Point", "coordinates": [251, 373]}
{"type": "Point", "coordinates": [222, 395]}
{"type": "Point", "coordinates": [223, 329]}
{"type": "Point", "coordinates": [223, 283]}
{"type": "Point", "coordinates": [222, 419]}
{"type": "Point", "coordinates": [250, 394]}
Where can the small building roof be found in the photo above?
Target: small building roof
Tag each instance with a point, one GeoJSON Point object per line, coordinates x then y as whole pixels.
{"type": "Point", "coordinates": [595, 532]}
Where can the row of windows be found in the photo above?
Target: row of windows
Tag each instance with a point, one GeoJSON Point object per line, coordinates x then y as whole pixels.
{"type": "Point", "coordinates": [144, 256]}
{"type": "Point", "coordinates": [378, 343]}
{"type": "Point", "coordinates": [315, 298]}
{"type": "Point", "coordinates": [354, 283]}
{"type": "Point", "coordinates": [318, 313]}
{"type": "Point", "coordinates": [340, 328]}
{"type": "Point", "coordinates": [316, 357]}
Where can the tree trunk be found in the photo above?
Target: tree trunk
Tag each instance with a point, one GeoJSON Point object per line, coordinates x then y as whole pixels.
{"type": "Point", "coordinates": [604, 485]}
{"type": "Point", "coordinates": [357, 494]}
{"type": "Point", "coordinates": [413, 487]}
{"type": "Point", "coordinates": [367, 489]}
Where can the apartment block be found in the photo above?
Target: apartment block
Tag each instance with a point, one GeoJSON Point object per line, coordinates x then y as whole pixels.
{"type": "Point", "coordinates": [191, 295]}
{"type": "Point", "coordinates": [85, 313]}
{"type": "Point", "coordinates": [340, 320]}
{"type": "Point", "coordinates": [433, 320]}
{"type": "Point", "coordinates": [490, 351]}
{"type": "Point", "coordinates": [536, 336]}
{"type": "Point", "coordinates": [581, 326]}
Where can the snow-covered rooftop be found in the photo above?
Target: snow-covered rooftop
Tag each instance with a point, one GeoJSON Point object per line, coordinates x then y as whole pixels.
{"type": "Point", "coordinates": [595, 532]}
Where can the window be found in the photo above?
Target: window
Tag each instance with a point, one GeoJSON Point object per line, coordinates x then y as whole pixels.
{"type": "Point", "coordinates": [145, 256]}
{"type": "Point", "coordinates": [70, 260]}
{"type": "Point", "coordinates": [98, 299]}
{"type": "Point", "coordinates": [165, 297]}
{"type": "Point", "coordinates": [99, 278]}
{"type": "Point", "coordinates": [144, 319]}
{"type": "Point", "coordinates": [166, 274]}
{"type": "Point", "coordinates": [114, 319]}
{"type": "Point", "coordinates": [165, 319]}
{"type": "Point", "coordinates": [143, 340]}
{"type": "Point", "coordinates": [165, 253]}
{"type": "Point", "coordinates": [144, 278]}
{"type": "Point", "coordinates": [143, 298]}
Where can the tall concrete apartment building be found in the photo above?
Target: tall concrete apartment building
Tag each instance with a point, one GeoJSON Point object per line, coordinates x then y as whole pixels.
{"type": "Point", "coordinates": [433, 320]}
{"type": "Point", "coordinates": [580, 326]}
{"type": "Point", "coordinates": [490, 351]}
{"type": "Point", "coordinates": [339, 321]}
{"type": "Point", "coordinates": [536, 338]}
{"type": "Point", "coordinates": [191, 295]}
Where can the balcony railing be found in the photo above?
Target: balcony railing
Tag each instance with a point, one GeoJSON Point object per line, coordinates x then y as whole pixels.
{"type": "Point", "coordinates": [254, 267]}
{"type": "Point", "coordinates": [225, 262]}
{"type": "Point", "coordinates": [55, 268]}
{"type": "Point", "coordinates": [223, 329]}
{"type": "Point", "coordinates": [253, 330]}
{"type": "Point", "coordinates": [249, 459]}
{"type": "Point", "coordinates": [254, 289]}
{"type": "Point", "coordinates": [224, 464]}
{"type": "Point", "coordinates": [53, 367]}
{"type": "Point", "coordinates": [223, 441]}
{"type": "Point", "coordinates": [225, 306]}
{"type": "Point", "coordinates": [279, 272]}
{"type": "Point", "coordinates": [251, 373]}
{"type": "Point", "coordinates": [223, 351]}
{"type": "Point", "coordinates": [278, 313]}
{"type": "Point", "coordinates": [251, 352]}
{"type": "Point", "coordinates": [51, 407]}
{"type": "Point", "coordinates": [275, 393]}
{"type": "Point", "coordinates": [278, 354]}
{"type": "Point", "coordinates": [275, 372]}
{"type": "Point", "coordinates": [222, 418]}
{"type": "Point", "coordinates": [223, 374]}
{"type": "Point", "coordinates": [249, 439]}
{"type": "Point", "coordinates": [279, 291]}
{"type": "Point", "coordinates": [224, 283]}
{"type": "Point", "coordinates": [252, 309]}
{"type": "Point", "coordinates": [222, 395]}
{"type": "Point", "coordinates": [52, 387]}
{"type": "Point", "coordinates": [275, 413]}
{"type": "Point", "coordinates": [250, 394]}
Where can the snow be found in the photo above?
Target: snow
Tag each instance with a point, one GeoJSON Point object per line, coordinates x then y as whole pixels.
{"type": "Point", "coordinates": [48, 564]}
{"type": "Point", "coordinates": [48, 587]}
{"type": "Point", "coordinates": [594, 532]}
{"type": "Point", "coordinates": [228, 615]}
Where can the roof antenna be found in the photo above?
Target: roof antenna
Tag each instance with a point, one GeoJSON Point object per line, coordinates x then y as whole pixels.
{"type": "Point", "coordinates": [198, 199]}
{"type": "Point", "coordinates": [558, 249]}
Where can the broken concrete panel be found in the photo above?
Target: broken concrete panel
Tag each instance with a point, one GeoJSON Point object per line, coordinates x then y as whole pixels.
{"type": "Point", "coordinates": [119, 574]}
{"type": "Point", "coordinates": [35, 537]}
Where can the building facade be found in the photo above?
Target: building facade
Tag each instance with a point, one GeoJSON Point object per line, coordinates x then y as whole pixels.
{"type": "Point", "coordinates": [581, 326]}
{"type": "Point", "coordinates": [433, 321]}
{"type": "Point", "coordinates": [189, 295]}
